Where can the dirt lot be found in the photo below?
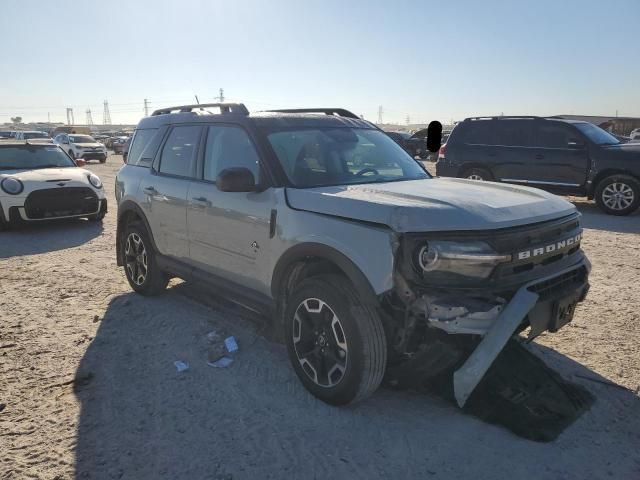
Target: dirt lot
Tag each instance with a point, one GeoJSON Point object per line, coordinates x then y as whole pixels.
{"type": "Point", "coordinates": [66, 311]}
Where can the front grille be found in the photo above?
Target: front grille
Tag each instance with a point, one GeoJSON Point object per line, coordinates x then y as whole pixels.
{"type": "Point", "coordinates": [557, 286]}
{"type": "Point", "coordinates": [60, 202]}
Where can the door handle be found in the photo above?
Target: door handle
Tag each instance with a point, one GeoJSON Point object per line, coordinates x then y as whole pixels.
{"type": "Point", "coordinates": [150, 190]}
{"type": "Point", "coordinates": [539, 156]}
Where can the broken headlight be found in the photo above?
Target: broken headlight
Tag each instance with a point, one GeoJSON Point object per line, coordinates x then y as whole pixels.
{"type": "Point", "coordinates": [468, 259]}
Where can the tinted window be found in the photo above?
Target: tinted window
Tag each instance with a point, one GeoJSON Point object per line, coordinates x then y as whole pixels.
{"type": "Point", "coordinates": [480, 132]}
{"type": "Point", "coordinates": [141, 141]}
{"type": "Point", "coordinates": [342, 156]}
{"type": "Point", "coordinates": [596, 134]}
{"type": "Point", "coordinates": [81, 139]}
{"type": "Point", "coordinates": [179, 152]}
{"type": "Point", "coordinates": [229, 147]}
{"type": "Point", "coordinates": [550, 135]}
{"type": "Point", "coordinates": [515, 133]}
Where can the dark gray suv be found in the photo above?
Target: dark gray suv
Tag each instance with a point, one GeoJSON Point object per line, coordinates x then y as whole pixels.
{"type": "Point", "coordinates": [321, 221]}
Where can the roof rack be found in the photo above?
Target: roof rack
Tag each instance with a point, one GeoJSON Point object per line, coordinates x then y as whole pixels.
{"type": "Point", "coordinates": [225, 108]}
{"type": "Point", "coordinates": [505, 117]}
{"type": "Point", "coordinates": [340, 112]}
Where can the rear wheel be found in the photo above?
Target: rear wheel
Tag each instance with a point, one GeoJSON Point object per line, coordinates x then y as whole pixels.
{"type": "Point", "coordinates": [102, 160]}
{"type": "Point", "coordinates": [477, 174]}
{"type": "Point", "coordinates": [618, 194]}
{"type": "Point", "coordinates": [336, 343]}
{"type": "Point", "coordinates": [140, 265]}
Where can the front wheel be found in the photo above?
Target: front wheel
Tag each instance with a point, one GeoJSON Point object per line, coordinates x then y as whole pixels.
{"type": "Point", "coordinates": [140, 265]}
{"type": "Point", "coordinates": [336, 342]}
{"type": "Point", "coordinates": [618, 194]}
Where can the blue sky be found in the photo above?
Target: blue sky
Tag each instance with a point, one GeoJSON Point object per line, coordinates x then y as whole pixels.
{"type": "Point", "coordinates": [426, 59]}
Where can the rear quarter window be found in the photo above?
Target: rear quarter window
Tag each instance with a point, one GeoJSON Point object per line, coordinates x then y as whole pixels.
{"type": "Point", "coordinates": [143, 147]}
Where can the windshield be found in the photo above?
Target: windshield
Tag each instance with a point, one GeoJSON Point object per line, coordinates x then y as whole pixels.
{"type": "Point", "coordinates": [316, 157]}
{"type": "Point", "coordinates": [30, 157]}
{"type": "Point", "coordinates": [35, 135]}
{"type": "Point", "coordinates": [596, 134]}
{"type": "Point", "coordinates": [81, 139]}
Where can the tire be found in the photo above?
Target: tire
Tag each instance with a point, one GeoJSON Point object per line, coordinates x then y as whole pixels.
{"type": "Point", "coordinates": [345, 362]}
{"type": "Point", "coordinates": [618, 194]}
{"type": "Point", "coordinates": [149, 280]}
{"type": "Point", "coordinates": [477, 174]}
{"type": "Point", "coordinates": [103, 160]}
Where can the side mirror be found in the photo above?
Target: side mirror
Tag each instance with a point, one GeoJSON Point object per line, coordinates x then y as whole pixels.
{"type": "Point", "coordinates": [434, 136]}
{"type": "Point", "coordinates": [236, 179]}
{"type": "Point", "coordinates": [80, 162]}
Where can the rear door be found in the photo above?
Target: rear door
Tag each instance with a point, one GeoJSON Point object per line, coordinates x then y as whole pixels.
{"type": "Point", "coordinates": [515, 144]}
{"type": "Point", "coordinates": [165, 190]}
{"type": "Point", "coordinates": [229, 232]}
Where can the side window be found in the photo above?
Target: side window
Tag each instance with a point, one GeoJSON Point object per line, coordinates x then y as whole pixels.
{"type": "Point", "coordinates": [516, 133]}
{"type": "Point", "coordinates": [179, 152]}
{"type": "Point", "coordinates": [480, 132]}
{"type": "Point", "coordinates": [554, 136]}
{"type": "Point", "coordinates": [229, 147]}
{"type": "Point", "coordinates": [140, 142]}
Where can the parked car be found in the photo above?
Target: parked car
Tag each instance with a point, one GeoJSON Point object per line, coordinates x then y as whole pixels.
{"type": "Point", "coordinates": [82, 146]}
{"type": "Point", "coordinates": [359, 267]}
{"type": "Point", "coordinates": [29, 134]}
{"type": "Point", "coordinates": [416, 147]}
{"type": "Point", "coordinates": [118, 145]}
{"type": "Point", "coordinates": [38, 181]}
{"type": "Point", "coordinates": [561, 156]}
{"type": "Point", "coordinates": [635, 134]}
{"type": "Point", "coordinates": [5, 134]}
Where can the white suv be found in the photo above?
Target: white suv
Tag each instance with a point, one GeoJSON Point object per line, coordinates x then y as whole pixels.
{"type": "Point", "coordinates": [82, 146]}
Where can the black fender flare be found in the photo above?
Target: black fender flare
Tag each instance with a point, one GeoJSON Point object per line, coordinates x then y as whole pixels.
{"type": "Point", "coordinates": [305, 250]}
{"type": "Point", "coordinates": [125, 208]}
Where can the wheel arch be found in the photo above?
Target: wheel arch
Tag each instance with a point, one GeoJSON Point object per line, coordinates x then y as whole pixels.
{"type": "Point", "coordinates": [129, 211]}
{"type": "Point", "coordinates": [601, 175]}
{"type": "Point", "coordinates": [308, 259]}
{"type": "Point", "coordinates": [470, 165]}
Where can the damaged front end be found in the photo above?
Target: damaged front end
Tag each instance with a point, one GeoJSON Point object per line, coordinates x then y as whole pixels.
{"type": "Point", "coordinates": [475, 290]}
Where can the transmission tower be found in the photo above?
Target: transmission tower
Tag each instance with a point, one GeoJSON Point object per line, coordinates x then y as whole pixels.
{"type": "Point", "coordinates": [221, 96]}
{"type": "Point", "coordinates": [89, 118]}
{"type": "Point", "coordinates": [380, 112]}
{"type": "Point", "coordinates": [408, 119]}
{"type": "Point", "coordinates": [146, 107]}
{"type": "Point", "coordinates": [70, 119]}
{"type": "Point", "coordinates": [106, 116]}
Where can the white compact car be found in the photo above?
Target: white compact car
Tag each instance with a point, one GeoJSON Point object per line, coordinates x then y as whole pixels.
{"type": "Point", "coordinates": [81, 146]}
{"type": "Point", "coordinates": [38, 181]}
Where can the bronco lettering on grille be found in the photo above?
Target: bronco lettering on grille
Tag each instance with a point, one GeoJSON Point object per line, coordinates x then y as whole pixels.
{"type": "Point", "coordinates": [552, 247]}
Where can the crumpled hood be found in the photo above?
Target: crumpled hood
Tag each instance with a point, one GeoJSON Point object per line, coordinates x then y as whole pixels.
{"type": "Point", "coordinates": [436, 204]}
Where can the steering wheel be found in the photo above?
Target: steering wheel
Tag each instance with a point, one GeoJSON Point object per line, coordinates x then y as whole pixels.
{"type": "Point", "coordinates": [367, 170]}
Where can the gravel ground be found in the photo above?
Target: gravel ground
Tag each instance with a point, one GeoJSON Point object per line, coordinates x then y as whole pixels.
{"type": "Point", "coordinates": [67, 312]}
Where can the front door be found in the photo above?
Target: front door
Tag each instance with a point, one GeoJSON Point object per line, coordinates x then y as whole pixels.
{"type": "Point", "coordinates": [229, 232]}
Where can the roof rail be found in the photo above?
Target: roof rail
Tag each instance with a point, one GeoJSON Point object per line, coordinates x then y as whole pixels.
{"type": "Point", "coordinates": [505, 117]}
{"type": "Point", "coordinates": [340, 112]}
{"type": "Point", "coordinates": [237, 108]}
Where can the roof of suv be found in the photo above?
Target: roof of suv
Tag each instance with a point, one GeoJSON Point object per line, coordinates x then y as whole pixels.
{"type": "Point", "coordinates": [237, 113]}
